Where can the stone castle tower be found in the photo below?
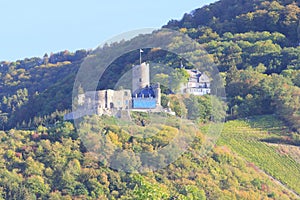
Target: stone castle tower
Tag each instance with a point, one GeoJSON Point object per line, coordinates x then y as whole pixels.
{"type": "Point", "coordinates": [140, 77]}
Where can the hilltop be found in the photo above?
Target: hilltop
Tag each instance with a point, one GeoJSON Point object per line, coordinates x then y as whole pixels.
{"type": "Point", "coordinates": [240, 16]}
{"type": "Point", "coordinates": [264, 47]}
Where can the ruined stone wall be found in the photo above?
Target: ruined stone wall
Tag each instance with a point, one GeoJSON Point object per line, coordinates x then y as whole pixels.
{"type": "Point", "coordinates": [122, 99]}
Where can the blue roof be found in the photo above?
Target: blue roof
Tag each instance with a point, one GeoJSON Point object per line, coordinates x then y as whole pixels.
{"type": "Point", "coordinates": [146, 92]}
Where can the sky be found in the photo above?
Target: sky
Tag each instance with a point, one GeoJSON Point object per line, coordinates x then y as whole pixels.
{"type": "Point", "coordinates": [33, 27]}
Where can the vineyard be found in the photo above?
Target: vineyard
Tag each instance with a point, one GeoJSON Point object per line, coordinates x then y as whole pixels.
{"type": "Point", "coordinates": [246, 137]}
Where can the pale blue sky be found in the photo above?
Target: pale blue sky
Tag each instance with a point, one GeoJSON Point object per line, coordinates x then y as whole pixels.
{"type": "Point", "coordinates": [34, 27]}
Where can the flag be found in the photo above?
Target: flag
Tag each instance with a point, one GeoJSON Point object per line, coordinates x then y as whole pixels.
{"type": "Point", "coordinates": [141, 51]}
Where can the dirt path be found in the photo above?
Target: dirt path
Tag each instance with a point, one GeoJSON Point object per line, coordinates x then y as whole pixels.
{"type": "Point", "coordinates": [280, 183]}
{"type": "Point", "coordinates": [273, 179]}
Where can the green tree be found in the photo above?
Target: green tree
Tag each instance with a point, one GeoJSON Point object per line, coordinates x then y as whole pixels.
{"type": "Point", "coordinates": [37, 185]}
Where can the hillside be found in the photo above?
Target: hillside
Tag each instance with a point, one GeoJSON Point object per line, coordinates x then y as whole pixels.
{"type": "Point", "coordinates": [252, 139]}
{"type": "Point", "coordinates": [37, 87]}
{"type": "Point", "coordinates": [255, 46]}
{"type": "Point", "coordinates": [228, 171]}
{"type": "Point", "coordinates": [264, 50]}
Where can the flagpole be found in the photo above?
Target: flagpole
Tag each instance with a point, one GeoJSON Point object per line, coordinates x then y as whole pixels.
{"type": "Point", "coordinates": [141, 56]}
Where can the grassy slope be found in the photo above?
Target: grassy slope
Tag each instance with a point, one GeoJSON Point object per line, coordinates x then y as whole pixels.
{"type": "Point", "coordinates": [244, 137]}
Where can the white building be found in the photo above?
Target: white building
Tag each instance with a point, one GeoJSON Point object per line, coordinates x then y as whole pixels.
{"type": "Point", "coordinates": [198, 83]}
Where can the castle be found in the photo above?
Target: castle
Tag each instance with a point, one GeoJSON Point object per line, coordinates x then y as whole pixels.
{"type": "Point", "coordinates": [143, 97]}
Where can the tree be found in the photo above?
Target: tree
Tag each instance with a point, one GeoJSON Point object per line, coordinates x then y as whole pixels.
{"type": "Point", "coordinates": [36, 185]}
{"type": "Point", "coordinates": [145, 190]}
{"type": "Point", "coordinates": [33, 167]}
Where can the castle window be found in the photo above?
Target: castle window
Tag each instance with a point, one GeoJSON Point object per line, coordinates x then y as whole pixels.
{"type": "Point", "coordinates": [125, 93]}
{"type": "Point", "coordinates": [140, 79]}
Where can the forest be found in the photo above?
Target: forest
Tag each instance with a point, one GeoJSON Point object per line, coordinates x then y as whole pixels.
{"type": "Point", "coordinates": [255, 46]}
